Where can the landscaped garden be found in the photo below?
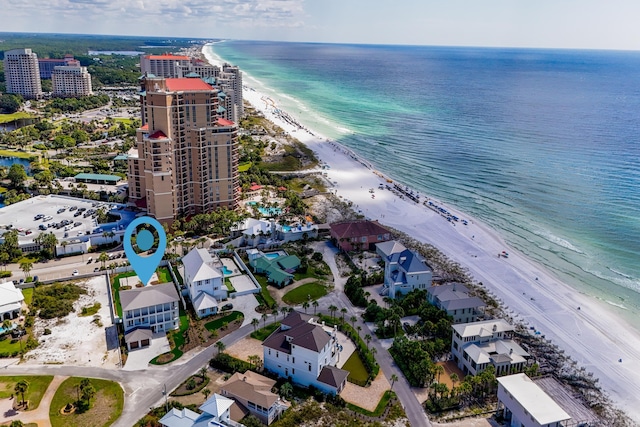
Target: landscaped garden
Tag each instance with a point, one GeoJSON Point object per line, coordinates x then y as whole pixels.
{"type": "Point", "coordinates": [357, 372]}
{"type": "Point", "coordinates": [306, 292]}
{"type": "Point", "coordinates": [262, 333]}
{"type": "Point", "coordinates": [224, 321]}
{"type": "Point", "coordinates": [176, 340]}
{"type": "Point", "coordinates": [82, 403]}
{"type": "Point", "coordinates": [36, 386]}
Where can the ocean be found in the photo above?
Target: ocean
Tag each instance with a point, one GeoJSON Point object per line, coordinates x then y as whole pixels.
{"type": "Point", "coordinates": [541, 145]}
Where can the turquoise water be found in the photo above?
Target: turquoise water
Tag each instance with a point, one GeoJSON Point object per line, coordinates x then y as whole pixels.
{"type": "Point", "coordinates": [286, 228]}
{"type": "Point", "coordinates": [274, 255]}
{"type": "Point", "coordinates": [226, 271]}
{"type": "Point", "coordinates": [541, 145]}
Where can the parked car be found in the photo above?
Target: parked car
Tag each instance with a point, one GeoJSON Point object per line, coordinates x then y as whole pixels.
{"type": "Point", "coordinates": [227, 307]}
{"type": "Point", "coordinates": [75, 273]}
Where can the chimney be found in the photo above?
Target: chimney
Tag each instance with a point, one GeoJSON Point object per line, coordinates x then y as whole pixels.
{"type": "Point", "coordinates": [245, 378]}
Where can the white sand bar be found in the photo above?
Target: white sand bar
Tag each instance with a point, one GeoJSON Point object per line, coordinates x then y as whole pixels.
{"type": "Point", "coordinates": [596, 338]}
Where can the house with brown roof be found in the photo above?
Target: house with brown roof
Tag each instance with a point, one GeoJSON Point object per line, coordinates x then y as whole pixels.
{"type": "Point", "coordinates": [305, 352]}
{"type": "Point", "coordinates": [358, 235]}
{"type": "Point", "coordinates": [252, 393]}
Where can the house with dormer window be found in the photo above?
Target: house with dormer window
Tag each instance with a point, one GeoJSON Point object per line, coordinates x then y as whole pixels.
{"type": "Point", "coordinates": [404, 270]}
{"type": "Point", "coordinates": [305, 352]}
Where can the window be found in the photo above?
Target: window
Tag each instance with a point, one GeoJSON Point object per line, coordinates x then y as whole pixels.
{"type": "Point", "coordinates": [309, 367]}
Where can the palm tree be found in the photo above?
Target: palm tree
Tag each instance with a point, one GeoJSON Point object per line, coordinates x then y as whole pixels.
{"type": "Point", "coordinates": [315, 306]}
{"type": "Point", "coordinates": [343, 310]}
{"type": "Point", "coordinates": [305, 305]}
{"type": "Point", "coordinates": [254, 359]}
{"type": "Point", "coordinates": [26, 267]}
{"type": "Point", "coordinates": [285, 390]}
{"type": "Point", "coordinates": [367, 338]}
{"type": "Point", "coordinates": [264, 320]}
{"type": "Point", "coordinates": [206, 393]}
{"type": "Point", "coordinates": [255, 322]}
{"type": "Point", "coordinates": [284, 311]}
{"type": "Point", "coordinates": [16, 423]}
{"type": "Point", "coordinates": [438, 370]}
{"type": "Point", "coordinates": [394, 378]}
{"type": "Point", "coordinates": [7, 325]}
{"type": "Point", "coordinates": [220, 346]}
{"type": "Point", "coordinates": [332, 310]}
{"type": "Point", "coordinates": [353, 321]}
{"type": "Point", "coordinates": [374, 352]}
{"type": "Point", "coordinates": [454, 379]}
{"type": "Point", "coordinates": [203, 372]}
{"type": "Point", "coordinates": [103, 258]}
{"type": "Point", "coordinates": [359, 328]}
{"type": "Point", "coordinates": [21, 387]}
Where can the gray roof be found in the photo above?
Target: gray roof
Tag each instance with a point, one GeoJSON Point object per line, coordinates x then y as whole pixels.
{"type": "Point", "coordinates": [148, 296]}
{"type": "Point", "coordinates": [198, 265]}
{"type": "Point", "coordinates": [482, 329]}
{"type": "Point", "coordinates": [302, 333]}
{"type": "Point", "coordinates": [459, 304]}
{"type": "Point", "coordinates": [179, 418]}
{"type": "Point", "coordinates": [138, 334]}
{"type": "Point", "coordinates": [388, 248]}
{"type": "Point", "coordinates": [410, 261]}
{"type": "Point", "coordinates": [439, 289]}
{"type": "Point", "coordinates": [332, 376]}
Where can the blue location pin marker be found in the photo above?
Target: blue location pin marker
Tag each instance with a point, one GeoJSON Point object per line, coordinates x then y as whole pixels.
{"type": "Point", "coordinates": [144, 266]}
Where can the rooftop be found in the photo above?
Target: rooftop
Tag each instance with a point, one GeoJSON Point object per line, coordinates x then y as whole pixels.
{"type": "Point", "coordinates": [253, 387]}
{"type": "Point", "coordinates": [97, 177]}
{"type": "Point", "coordinates": [297, 331]}
{"type": "Point", "coordinates": [168, 56]}
{"type": "Point", "coordinates": [482, 329]}
{"type": "Point", "coordinates": [198, 265]}
{"type": "Point", "coordinates": [187, 85]}
{"type": "Point", "coordinates": [532, 398]}
{"type": "Point", "coordinates": [148, 296]}
{"type": "Point", "coordinates": [332, 376]}
{"type": "Point", "coordinates": [358, 228]}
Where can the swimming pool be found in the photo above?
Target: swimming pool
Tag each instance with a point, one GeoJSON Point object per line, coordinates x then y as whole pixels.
{"type": "Point", "coordinates": [226, 271]}
{"type": "Point", "coordinates": [286, 228]}
{"type": "Point", "coordinates": [272, 255]}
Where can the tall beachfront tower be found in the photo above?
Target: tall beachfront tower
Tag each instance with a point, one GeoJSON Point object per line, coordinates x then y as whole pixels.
{"type": "Point", "coordinates": [166, 65]}
{"type": "Point", "coordinates": [186, 158]}
{"type": "Point", "coordinates": [71, 81]}
{"type": "Point", "coordinates": [231, 80]}
{"type": "Point", "coordinates": [22, 73]}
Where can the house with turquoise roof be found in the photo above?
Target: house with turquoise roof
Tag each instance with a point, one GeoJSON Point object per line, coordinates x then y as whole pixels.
{"type": "Point", "coordinates": [279, 271]}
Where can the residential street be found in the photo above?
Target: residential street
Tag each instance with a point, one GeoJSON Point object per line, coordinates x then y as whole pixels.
{"type": "Point", "coordinates": [143, 388]}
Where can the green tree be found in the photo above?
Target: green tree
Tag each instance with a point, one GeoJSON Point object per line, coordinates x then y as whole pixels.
{"type": "Point", "coordinates": [305, 306]}
{"type": "Point", "coordinates": [87, 392]}
{"type": "Point", "coordinates": [103, 258]}
{"type": "Point", "coordinates": [315, 306]}
{"type": "Point", "coordinates": [16, 423]}
{"type": "Point", "coordinates": [206, 393]}
{"type": "Point", "coordinates": [21, 388]}
{"type": "Point", "coordinates": [255, 322]}
{"type": "Point", "coordinates": [10, 103]}
{"type": "Point", "coordinates": [332, 310]}
{"type": "Point", "coordinates": [394, 378]}
{"type": "Point", "coordinates": [220, 346]}
{"type": "Point", "coordinates": [286, 390]}
{"type": "Point", "coordinates": [26, 267]}
{"type": "Point", "coordinates": [48, 241]}
{"type": "Point", "coordinates": [17, 175]}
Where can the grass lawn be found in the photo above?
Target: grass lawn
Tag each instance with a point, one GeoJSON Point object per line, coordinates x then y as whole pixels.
{"type": "Point", "coordinates": [7, 118]}
{"type": "Point", "coordinates": [177, 341]}
{"type": "Point", "coordinates": [163, 275]}
{"type": "Point", "coordinates": [244, 167]}
{"type": "Point", "coordinates": [217, 324]}
{"type": "Point", "coordinates": [268, 299]}
{"type": "Point", "coordinates": [228, 284]}
{"type": "Point", "coordinates": [37, 386]}
{"type": "Point", "coordinates": [105, 409]}
{"type": "Point", "coordinates": [302, 293]}
{"type": "Point", "coordinates": [178, 275]}
{"type": "Point", "coordinates": [28, 295]}
{"type": "Point", "coordinates": [18, 154]}
{"type": "Point", "coordinates": [262, 333]}
{"type": "Point", "coordinates": [10, 347]}
{"type": "Point", "coordinates": [116, 290]}
{"type": "Point", "coordinates": [357, 372]}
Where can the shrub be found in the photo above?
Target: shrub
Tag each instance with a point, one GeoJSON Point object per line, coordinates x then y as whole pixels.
{"type": "Point", "coordinates": [47, 331]}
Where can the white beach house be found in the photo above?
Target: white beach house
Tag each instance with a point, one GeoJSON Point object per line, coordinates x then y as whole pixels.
{"type": "Point", "coordinates": [204, 281]}
{"type": "Point", "coordinates": [455, 300]}
{"type": "Point", "coordinates": [303, 351]}
{"type": "Point", "coordinates": [480, 344]}
{"type": "Point", "coordinates": [404, 270]}
{"type": "Point", "coordinates": [524, 404]}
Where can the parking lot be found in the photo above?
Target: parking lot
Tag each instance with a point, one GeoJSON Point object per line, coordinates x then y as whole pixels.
{"type": "Point", "coordinates": [66, 217]}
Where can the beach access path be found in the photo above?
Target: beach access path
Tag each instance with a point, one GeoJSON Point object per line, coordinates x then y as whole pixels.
{"type": "Point", "coordinates": [599, 340]}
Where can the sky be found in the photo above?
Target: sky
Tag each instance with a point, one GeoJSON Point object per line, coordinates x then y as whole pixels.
{"type": "Point", "coordinates": [590, 24]}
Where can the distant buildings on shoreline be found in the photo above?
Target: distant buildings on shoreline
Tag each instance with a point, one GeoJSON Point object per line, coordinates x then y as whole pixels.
{"type": "Point", "coordinates": [24, 71]}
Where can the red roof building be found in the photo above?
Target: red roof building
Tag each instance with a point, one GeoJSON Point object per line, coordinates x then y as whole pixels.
{"type": "Point", "coordinates": [358, 235]}
{"type": "Point", "coordinates": [187, 85]}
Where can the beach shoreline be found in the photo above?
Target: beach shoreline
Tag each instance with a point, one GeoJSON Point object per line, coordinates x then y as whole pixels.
{"type": "Point", "coordinates": [597, 339]}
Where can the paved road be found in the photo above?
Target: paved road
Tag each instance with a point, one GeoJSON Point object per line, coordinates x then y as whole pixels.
{"type": "Point", "coordinates": [412, 407]}
{"type": "Point", "coordinates": [143, 389]}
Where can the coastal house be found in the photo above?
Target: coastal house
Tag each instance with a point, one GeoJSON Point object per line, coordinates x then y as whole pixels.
{"type": "Point", "coordinates": [304, 351]}
{"type": "Point", "coordinates": [265, 232]}
{"type": "Point", "coordinates": [404, 270]}
{"type": "Point", "coordinates": [358, 235]}
{"type": "Point", "coordinates": [480, 344]}
{"type": "Point", "coordinates": [455, 300]}
{"type": "Point", "coordinates": [216, 412]}
{"type": "Point", "coordinates": [524, 404]}
{"type": "Point", "coordinates": [253, 395]}
{"type": "Point", "coordinates": [278, 268]}
{"type": "Point", "coordinates": [204, 281]}
{"type": "Point", "coordinates": [148, 310]}
{"type": "Point", "coordinates": [11, 300]}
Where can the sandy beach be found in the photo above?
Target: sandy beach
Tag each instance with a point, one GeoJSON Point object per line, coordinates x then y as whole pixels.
{"type": "Point", "coordinates": [597, 339]}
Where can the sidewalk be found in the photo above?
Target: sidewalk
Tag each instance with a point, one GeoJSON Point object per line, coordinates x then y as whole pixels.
{"type": "Point", "coordinates": [40, 415]}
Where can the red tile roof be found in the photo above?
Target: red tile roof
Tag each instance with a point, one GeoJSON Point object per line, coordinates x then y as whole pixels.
{"type": "Point", "coordinates": [158, 135]}
{"type": "Point", "coordinates": [255, 187]}
{"type": "Point", "coordinates": [225, 122]}
{"type": "Point", "coordinates": [351, 229]}
{"type": "Point", "coordinates": [145, 127]}
{"type": "Point", "coordinates": [186, 85]}
{"type": "Point", "coordinates": [169, 56]}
